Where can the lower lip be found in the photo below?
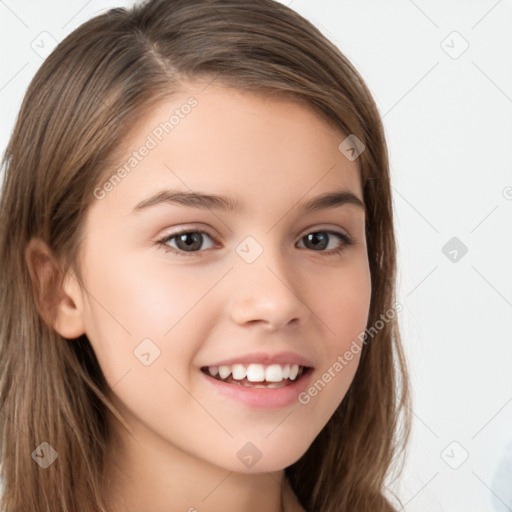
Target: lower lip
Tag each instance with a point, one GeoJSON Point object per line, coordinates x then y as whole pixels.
{"type": "Point", "coordinates": [263, 398]}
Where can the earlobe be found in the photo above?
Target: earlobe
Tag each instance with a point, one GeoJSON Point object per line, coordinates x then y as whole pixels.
{"type": "Point", "coordinates": [58, 298]}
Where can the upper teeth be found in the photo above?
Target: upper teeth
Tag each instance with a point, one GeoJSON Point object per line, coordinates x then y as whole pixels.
{"type": "Point", "coordinates": [256, 372]}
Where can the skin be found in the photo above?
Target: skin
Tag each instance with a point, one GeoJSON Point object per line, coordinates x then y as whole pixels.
{"type": "Point", "coordinates": [269, 154]}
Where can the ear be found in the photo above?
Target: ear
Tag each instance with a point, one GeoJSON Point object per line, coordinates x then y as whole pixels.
{"type": "Point", "coordinates": [58, 298]}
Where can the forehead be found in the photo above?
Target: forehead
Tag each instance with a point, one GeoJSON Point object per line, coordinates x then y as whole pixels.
{"type": "Point", "coordinates": [231, 142]}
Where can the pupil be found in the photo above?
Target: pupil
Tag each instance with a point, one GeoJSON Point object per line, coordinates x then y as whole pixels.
{"type": "Point", "coordinates": [316, 237]}
{"type": "Point", "coordinates": [191, 240]}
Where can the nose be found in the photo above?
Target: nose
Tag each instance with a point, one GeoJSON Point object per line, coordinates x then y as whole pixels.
{"type": "Point", "coordinates": [267, 292]}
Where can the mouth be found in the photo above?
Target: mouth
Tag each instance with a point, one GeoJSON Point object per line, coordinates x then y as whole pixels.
{"type": "Point", "coordinates": [272, 376]}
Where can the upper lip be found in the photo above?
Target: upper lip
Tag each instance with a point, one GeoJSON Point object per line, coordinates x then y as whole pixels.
{"type": "Point", "coordinates": [266, 359]}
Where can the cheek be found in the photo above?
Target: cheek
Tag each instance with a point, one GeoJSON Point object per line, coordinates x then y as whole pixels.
{"type": "Point", "coordinates": [343, 304]}
{"type": "Point", "coordinates": [144, 330]}
{"type": "Point", "coordinates": [343, 311]}
{"type": "Point", "coordinates": [146, 299]}
{"type": "Point", "coordinates": [133, 303]}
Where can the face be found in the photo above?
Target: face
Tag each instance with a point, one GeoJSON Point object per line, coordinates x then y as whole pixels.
{"type": "Point", "coordinates": [177, 286]}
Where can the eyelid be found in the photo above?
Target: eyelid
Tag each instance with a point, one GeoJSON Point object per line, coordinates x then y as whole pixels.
{"type": "Point", "coordinates": [201, 229]}
{"type": "Point", "coordinates": [163, 239]}
{"type": "Point", "coordinates": [329, 228]}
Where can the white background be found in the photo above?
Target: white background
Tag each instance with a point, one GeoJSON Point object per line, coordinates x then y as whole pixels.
{"type": "Point", "coordinates": [448, 121]}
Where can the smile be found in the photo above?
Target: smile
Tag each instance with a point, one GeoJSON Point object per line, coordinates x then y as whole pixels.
{"type": "Point", "coordinates": [256, 375]}
{"type": "Point", "coordinates": [258, 386]}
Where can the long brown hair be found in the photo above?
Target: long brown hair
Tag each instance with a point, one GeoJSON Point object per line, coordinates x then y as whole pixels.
{"type": "Point", "coordinates": [79, 108]}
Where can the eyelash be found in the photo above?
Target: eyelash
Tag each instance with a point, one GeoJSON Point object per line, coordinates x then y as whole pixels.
{"type": "Point", "coordinates": [162, 242]}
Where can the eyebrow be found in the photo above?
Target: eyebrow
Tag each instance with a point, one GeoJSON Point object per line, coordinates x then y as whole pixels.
{"type": "Point", "coordinates": [200, 200]}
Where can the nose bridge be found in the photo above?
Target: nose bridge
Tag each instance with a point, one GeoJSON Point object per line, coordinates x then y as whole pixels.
{"type": "Point", "coordinates": [266, 287]}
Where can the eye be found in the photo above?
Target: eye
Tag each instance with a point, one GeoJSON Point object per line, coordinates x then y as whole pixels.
{"type": "Point", "coordinates": [320, 240]}
{"type": "Point", "coordinates": [189, 242]}
{"type": "Point", "coordinates": [186, 241]}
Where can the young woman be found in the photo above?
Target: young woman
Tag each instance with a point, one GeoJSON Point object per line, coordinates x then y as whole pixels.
{"type": "Point", "coordinates": [197, 306]}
